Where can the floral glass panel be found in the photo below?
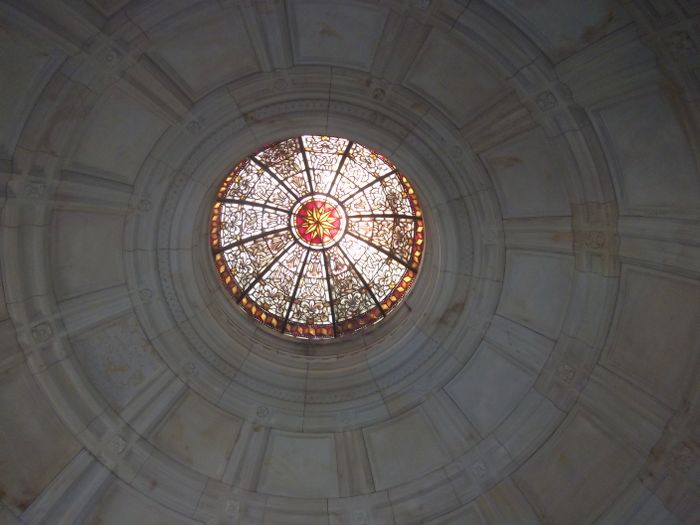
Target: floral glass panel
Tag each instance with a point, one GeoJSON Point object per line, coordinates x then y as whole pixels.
{"type": "Point", "coordinates": [317, 236]}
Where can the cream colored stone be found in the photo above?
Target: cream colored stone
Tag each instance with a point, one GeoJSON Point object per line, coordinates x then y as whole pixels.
{"type": "Point", "coordinates": [411, 434]}
{"type": "Point", "coordinates": [21, 66]}
{"type": "Point", "coordinates": [295, 511]}
{"type": "Point", "coordinates": [300, 465]}
{"type": "Point", "coordinates": [10, 349]}
{"type": "Point", "coordinates": [354, 474]}
{"type": "Point", "coordinates": [536, 290]}
{"type": "Point", "coordinates": [108, 7]}
{"type": "Point", "coordinates": [122, 504]}
{"type": "Point", "coordinates": [529, 425]}
{"type": "Point", "coordinates": [74, 488]}
{"type": "Point", "coordinates": [229, 54]}
{"type": "Point", "coordinates": [118, 135]}
{"type": "Point", "coordinates": [505, 503]}
{"type": "Point", "coordinates": [89, 261]}
{"type": "Point", "coordinates": [578, 472]}
{"type": "Point", "coordinates": [119, 122]}
{"type": "Point", "coordinates": [426, 496]}
{"type": "Point", "coordinates": [654, 170]}
{"type": "Point", "coordinates": [527, 175]}
{"type": "Point", "coordinates": [566, 26]}
{"type": "Point", "coordinates": [35, 443]}
{"type": "Point", "coordinates": [669, 245]}
{"type": "Point", "coordinates": [452, 77]}
{"type": "Point", "coordinates": [170, 483]}
{"type": "Point", "coordinates": [489, 368]}
{"type": "Point", "coordinates": [361, 510]}
{"type": "Point", "coordinates": [199, 435]}
{"type": "Point", "coordinates": [467, 515]}
{"type": "Point", "coordinates": [3, 299]}
{"type": "Point", "coordinates": [344, 33]}
{"type": "Point", "coordinates": [479, 469]}
{"type": "Point", "coordinates": [118, 359]}
{"type": "Point", "coordinates": [7, 518]}
{"type": "Point", "coordinates": [655, 339]}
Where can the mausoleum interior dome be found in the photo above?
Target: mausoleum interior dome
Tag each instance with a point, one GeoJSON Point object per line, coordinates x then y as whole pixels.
{"type": "Point", "coordinates": [543, 367]}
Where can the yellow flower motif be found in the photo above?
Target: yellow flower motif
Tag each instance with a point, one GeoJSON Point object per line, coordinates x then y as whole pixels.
{"type": "Point", "coordinates": [319, 223]}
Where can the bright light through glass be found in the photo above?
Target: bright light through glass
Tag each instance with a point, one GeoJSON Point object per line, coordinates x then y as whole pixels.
{"type": "Point", "coordinates": [317, 236]}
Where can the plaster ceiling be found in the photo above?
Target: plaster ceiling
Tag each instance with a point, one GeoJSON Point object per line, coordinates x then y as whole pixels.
{"type": "Point", "coordinates": [543, 370]}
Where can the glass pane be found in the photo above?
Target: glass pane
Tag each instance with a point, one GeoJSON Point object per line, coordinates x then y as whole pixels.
{"type": "Point", "coordinates": [317, 236]}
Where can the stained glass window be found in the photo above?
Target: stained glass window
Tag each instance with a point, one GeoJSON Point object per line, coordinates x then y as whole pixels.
{"type": "Point", "coordinates": [317, 236]}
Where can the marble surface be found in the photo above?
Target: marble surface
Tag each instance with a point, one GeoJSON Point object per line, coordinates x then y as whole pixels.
{"type": "Point", "coordinates": [544, 369]}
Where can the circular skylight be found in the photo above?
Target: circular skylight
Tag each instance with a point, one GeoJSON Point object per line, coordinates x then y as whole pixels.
{"type": "Point", "coordinates": [317, 236]}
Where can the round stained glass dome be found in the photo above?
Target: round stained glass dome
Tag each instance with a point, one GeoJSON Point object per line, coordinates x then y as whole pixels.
{"type": "Point", "coordinates": [317, 236]}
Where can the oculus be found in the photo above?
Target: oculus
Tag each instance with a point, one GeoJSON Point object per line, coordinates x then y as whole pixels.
{"type": "Point", "coordinates": [317, 236]}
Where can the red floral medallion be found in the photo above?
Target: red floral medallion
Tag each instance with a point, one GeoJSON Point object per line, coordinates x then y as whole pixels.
{"type": "Point", "coordinates": [317, 222]}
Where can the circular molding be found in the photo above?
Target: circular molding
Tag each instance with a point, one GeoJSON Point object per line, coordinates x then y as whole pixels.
{"type": "Point", "coordinates": [235, 365]}
{"type": "Point", "coordinates": [210, 331]}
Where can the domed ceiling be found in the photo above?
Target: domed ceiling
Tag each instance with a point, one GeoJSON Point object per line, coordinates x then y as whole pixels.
{"type": "Point", "coordinates": [543, 368]}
